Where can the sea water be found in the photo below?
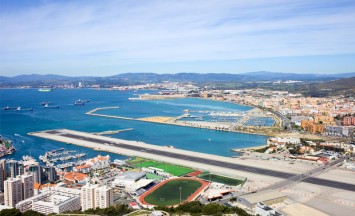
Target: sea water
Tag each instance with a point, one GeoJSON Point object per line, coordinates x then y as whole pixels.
{"type": "Point", "coordinates": [16, 124]}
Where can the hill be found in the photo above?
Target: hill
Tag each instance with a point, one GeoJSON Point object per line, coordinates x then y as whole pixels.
{"type": "Point", "coordinates": [344, 86]}
{"type": "Point", "coordinates": [142, 78]}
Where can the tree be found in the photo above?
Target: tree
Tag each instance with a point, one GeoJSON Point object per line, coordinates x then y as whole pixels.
{"type": "Point", "coordinates": [32, 213]}
{"type": "Point", "coordinates": [10, 212]}
{"type": "Point", "coordinates": [212, 209]}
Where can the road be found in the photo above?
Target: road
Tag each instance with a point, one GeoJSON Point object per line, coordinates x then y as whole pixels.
{"type": "Point", "coordinates": [307, 177]}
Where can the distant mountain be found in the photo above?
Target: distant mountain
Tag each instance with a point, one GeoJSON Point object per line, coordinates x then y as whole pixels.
{"type": "Point", "coordinates": [340, 84]}
{"type": "Point", "coordinates": [265, 75]}
{"type": "Point", "coordinates": [140, 78]}
{"type": "Point", "coordinates": [225, 77]}
{"type": "Point", "coordinates": [343, 86]}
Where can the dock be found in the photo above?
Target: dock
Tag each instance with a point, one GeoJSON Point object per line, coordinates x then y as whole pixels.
{"type": "Point", "coordinates": [196, 160]}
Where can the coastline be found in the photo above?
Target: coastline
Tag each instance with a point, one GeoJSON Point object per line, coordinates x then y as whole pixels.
{"type": "Point", "coordinates": [248, 148]}
{"type": "Point", "coordinates": [6, 146]}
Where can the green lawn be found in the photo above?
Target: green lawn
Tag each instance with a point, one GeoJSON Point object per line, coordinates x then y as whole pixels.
{"type": "Point", "coordinates": [221, 179]}
{"type": "Point", "coordinates": [169, 168]}
{"type": "Point", "coordinates": [153, 176]}
{"type": "Point", "coordinates": [169, 193]}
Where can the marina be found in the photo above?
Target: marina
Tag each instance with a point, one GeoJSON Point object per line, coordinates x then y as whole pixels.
{"type": "Point", "coordinates": [62, 159]}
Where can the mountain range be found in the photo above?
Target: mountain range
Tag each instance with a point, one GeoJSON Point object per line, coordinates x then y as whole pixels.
{"type": "Point", "coordinates": [139, 78]}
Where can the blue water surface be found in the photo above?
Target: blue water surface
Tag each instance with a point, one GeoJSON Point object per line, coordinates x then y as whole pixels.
{"type": "Point", "coordinates": [15, 125]}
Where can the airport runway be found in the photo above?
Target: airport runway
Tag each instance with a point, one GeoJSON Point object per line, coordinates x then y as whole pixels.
{"type": "Point", "coordinates": [190, 157]}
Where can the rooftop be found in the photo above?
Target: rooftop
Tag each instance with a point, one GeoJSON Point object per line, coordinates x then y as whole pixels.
{"type": "Point", "coordinates": [262, 196]}
{"type": "Point", "coordinates": [131, 175]}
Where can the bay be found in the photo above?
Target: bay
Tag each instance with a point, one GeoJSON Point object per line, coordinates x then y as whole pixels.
{"type": "Point", "coordinates": [15, 125]}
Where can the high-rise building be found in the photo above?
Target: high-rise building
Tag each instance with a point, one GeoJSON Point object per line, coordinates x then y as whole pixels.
{"type": "Point", "coordinates": [88, 196]}
{"type": "Point", "coordinates": [3, 174]}
{"type": "Point", "coordinates": [12, 191]}
{"type": "Point", "coordinates": [95, 196]}
{"type": "Point", "coordinates": [37, 171]}
{"type": "Point", "coordinates": [27, 185]}
{"type": "Point", "coordinates": [17, 189]}
{"type": "Point", "coordinates": [103, 197]}
{"type": "Point", "coordinates": [15, 168]}
{"type": "Point", "coordinates": [50, 174]}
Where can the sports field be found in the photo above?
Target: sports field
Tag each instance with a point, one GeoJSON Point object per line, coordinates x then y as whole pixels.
{"type": "Point", "coordinates": [169, 168]}
{"type": "Point", "coordinates": [169, 193]}
{"type": "Point", "coordinates": [221, 179]}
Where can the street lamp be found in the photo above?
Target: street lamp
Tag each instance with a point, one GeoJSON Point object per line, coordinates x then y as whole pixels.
{"type": "Point", "coordinates": [180, 193]}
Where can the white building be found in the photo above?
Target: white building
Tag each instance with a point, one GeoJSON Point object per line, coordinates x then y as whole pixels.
{"type": "Point", "coordinates": [17, 189]}
{"type": "Point", "coordinates": [103, 197]}
{"type": "Point", "coordinates": [27, 185]}
{"type": "Point", "coordinates": [264, 210]}
{"type": "Point", "coordinates": [95, 196]}
{"type": "Point", "coordinates": [52, 200]}
{"type": "Point", "coordinates": [12, 191]}
{"type": "Point", "coordinates": [88, 196]}
{"type": "Point", "coordinates": [99, 162]}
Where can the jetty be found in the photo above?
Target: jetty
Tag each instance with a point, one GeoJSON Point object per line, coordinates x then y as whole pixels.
{"type": "Point", "coordinates": [92, 112]}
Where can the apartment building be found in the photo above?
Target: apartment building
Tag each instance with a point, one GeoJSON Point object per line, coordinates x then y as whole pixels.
{"type": "Point", "coordinates": [95, 196]}
{"type": "Point", "coordinates": [17, 189]}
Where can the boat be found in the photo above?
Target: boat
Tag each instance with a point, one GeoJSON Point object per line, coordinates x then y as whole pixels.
{"type": "Point", "coordinates": [18, 109]}
{"type": "Point", "coordinates": [48, 107]}
{"type": "Point", "coordinates": [44, 103]}
{"type": "Point", "coordinates": [9, 108]}
{"type": "Point", "coordinates": [45, 89]}
{"type": "Point", "coordinates": [79, 103]}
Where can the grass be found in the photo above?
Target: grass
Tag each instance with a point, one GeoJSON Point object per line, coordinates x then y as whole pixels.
{"type": "Point", "coordinates": [169, 193]}
{"type": "Point", "coordinates": [153, 176]}
{"type": "Point", "coordinates": [221, 179]}
{"type": "Point", "coordinates": [135, 160]}
{"type": "Point", "coordinates": [169, 168]}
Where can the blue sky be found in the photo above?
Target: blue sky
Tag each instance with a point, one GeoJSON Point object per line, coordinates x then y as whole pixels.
{"type": "Point", "coordinates": [108, 37]}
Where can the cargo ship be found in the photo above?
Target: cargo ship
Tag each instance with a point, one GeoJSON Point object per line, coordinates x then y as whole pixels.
{"type": "Point", "coordinates": [45, 89]}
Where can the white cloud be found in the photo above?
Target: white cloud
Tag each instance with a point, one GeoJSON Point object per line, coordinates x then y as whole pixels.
{"type": "Point", "coordinates": [133, 32]}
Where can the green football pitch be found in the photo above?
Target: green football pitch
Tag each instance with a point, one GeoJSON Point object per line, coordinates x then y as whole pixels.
{"type": "Point", "coordinates": [169, 168]}
{"type": "Point", "coordinates": [169, 193]}
{"type": "Point", "coordinates": [221, 179]}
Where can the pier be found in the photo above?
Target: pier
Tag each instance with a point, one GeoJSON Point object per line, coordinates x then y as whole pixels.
{"type": "Point", "coordinates": [92, 113]}
{"type": "Point", "coordinates": [196, 160]}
